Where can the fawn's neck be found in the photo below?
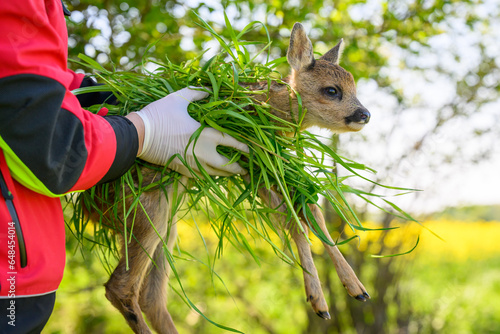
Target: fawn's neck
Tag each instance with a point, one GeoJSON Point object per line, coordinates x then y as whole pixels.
{"type": "Point", "coordinates": [279, 96]}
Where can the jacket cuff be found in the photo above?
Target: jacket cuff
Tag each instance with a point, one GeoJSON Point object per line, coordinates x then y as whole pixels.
{"type": "Point", "coordinates": [127, 145]}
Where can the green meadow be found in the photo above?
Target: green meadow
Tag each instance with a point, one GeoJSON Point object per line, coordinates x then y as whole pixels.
{"type": "Point", "coordinates": [443, 286]}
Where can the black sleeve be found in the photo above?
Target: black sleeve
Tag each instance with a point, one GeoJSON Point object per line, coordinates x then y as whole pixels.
{"type": "Point", "coordinates": [48, 139]}
{"type": "Point", "coordinates": [90, 99]}
{"type": "Point", "coordinates": [127, 145]}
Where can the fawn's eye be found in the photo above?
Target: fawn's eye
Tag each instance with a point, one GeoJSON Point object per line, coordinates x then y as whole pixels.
{"type": "Point", "coordinates": [333, 92]}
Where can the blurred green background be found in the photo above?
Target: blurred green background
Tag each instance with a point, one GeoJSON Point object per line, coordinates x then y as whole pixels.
{"type": "Point", "coordinates": [450, 286]}
{"type": "Point", "coordinates": [428, 71]}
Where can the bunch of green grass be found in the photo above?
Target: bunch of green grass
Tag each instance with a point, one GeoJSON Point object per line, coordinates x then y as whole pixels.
{"type": "Point", "coordinates": [299, 167]}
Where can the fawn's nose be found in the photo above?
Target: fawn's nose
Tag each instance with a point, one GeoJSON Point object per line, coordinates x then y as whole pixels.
{"type": "Point", "coordinates": [360, 115]}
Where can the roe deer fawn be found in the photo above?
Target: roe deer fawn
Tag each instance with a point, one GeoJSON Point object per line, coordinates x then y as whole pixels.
{"type": "Point", "coordinates": [328, 94]}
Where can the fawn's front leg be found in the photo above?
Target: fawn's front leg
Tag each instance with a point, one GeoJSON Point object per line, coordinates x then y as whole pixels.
{"type": "Point", "coordinates": [312, 283]}
{"type": "Point", "coordinates": [346, 275]}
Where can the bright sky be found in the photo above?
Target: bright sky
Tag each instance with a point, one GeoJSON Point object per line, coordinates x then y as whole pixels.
{"type": "Point", "coordinates": [443, 183]}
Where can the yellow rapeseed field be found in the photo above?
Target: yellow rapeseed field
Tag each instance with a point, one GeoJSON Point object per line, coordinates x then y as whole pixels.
{"type": "Point", "coordinates": [445, 239]}
{"type": "Point", "coordinates": [462, 240]}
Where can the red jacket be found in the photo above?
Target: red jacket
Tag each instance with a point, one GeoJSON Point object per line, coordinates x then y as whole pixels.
{"type": "Point", "coordinates": [49, 145]}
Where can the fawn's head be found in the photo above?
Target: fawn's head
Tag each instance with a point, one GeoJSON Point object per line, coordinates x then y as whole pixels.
{"type": "Point", "coordinates": [328, 91]}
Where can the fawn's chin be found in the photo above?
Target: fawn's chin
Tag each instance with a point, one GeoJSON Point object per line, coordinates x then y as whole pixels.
{"type": "Point", "coordinates": [355, 127]}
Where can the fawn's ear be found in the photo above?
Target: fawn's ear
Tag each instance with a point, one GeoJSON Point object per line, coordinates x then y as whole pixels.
{"type": "Point", "coordinates": [300, 51]}
{"type": "Point", "coordinates": [335, 53]}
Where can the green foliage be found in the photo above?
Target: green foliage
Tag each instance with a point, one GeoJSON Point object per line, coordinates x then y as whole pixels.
{"type": "Point", "coordinates": [470, 213]}
{"type": "Point", "coordinates": [399, 23]}
{"type": "Point", "coordinates": [455, 298]}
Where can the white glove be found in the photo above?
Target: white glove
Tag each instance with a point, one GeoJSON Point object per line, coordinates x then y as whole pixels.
{"type": "Point", "coordinates": [167, 129]}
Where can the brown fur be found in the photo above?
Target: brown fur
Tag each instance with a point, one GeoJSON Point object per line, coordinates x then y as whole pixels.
{"type": "Point", "coordinates": [142, 286]}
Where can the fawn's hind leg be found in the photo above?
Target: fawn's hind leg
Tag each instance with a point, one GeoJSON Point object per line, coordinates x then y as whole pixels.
{"type": "Point", "coordinates": [123, 287]}
{"type": "Point", "coordinates": [153, 296]}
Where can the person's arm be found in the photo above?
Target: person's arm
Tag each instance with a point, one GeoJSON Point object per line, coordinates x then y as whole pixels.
{"type": "Point", "coordinates": [139, 126]}
{"type": "Point", "coordinates": [51, 144]}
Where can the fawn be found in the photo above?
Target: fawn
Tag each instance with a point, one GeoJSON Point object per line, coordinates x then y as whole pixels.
{"type": "Point", "coordinates": [328, 93]}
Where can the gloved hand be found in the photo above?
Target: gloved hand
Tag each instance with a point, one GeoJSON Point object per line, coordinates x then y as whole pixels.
{"type": "Point", "coordinates": [167, 129]}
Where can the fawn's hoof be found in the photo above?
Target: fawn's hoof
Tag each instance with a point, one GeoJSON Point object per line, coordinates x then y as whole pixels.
{"type": "Point", "coordinates": [324, 315]}
{"type": "Point", "coordinates": [319, 305]}
{"type": "Point", "coordinates": [362, 298]}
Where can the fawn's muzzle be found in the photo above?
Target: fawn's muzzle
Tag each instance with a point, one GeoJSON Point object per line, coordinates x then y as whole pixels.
{"type": "Point", "coordinates": [360, 116]}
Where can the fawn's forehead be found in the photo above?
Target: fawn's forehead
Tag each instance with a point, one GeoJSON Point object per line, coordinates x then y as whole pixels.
{"type": "Point", "coordinates": [329, 74]}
